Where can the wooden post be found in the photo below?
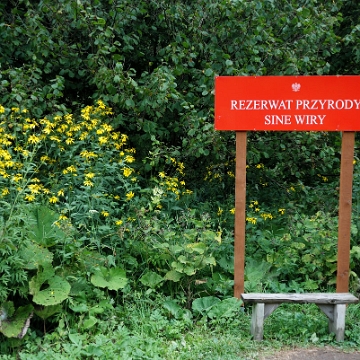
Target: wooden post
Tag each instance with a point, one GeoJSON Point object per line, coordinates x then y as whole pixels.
{"type": "Point", "coordinates": [240, 213]}
{"type": "Point", "coordinates": [345, 202]}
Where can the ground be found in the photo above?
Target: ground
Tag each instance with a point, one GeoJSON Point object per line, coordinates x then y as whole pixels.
{"type": "Point", "coordinates": [327, 353]}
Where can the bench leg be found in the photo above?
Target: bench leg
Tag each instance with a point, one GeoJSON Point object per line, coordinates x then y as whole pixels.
{"type": "Point", "coordinates": [260, 312]}
{"type": "Point", "coordinates": [336, 314]}
{"type": "Point", "coordinates": [257, 321]}
{"type": "Point", "coordinates": [337, 325]}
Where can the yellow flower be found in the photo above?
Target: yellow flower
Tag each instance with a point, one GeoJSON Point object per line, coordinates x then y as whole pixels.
{"type": "Point", "coordinates": [69, 140]}
{"type": "Point", "coordinates": [105, 213]}
{"type": "Point", "coordinates": [127, 172]}
{"type": "Point", "coordinates": [282, 211]}
{"type": "Point", "coordinates": [53, 199]}
{"type": "Point", "coordinates": [232, 211]}
{"type": "Point", "coordinates": [251, 220]}
{"type": "Point", "coordinates": [2, 109]}
{"type": "Point", "coordinates": [89, 175]}
{"type": "Point", "coordinates": [84, 135]}
{"type": "Point", "coordinates": [17, 177]}
{"type": "Point", "coordinates": [162, 174]}
{"type": "Point", "coordinates": [68, 118]}
{"type": "Point", "coordinates": [88, 154]}
{"type": "Point", "coordinates": [266, 216]}
{"type": "Point", "coordinates": [63, 217]}
{"type": "Point", "coordinates": [5, 192]}
{"type": "Point", "coordinates": [103, 140]}
{"type": "Point", "coordinates": [34, 188]}
{"type": "Point", "coordinates": [118, 222]}
{"type": "Point", "coordinates": [129, 159]}
{"type": "Point", "coordinates": [55, 138]}
{"type": "Point", "coordinates": [130, 195]}
{"type": "Point", "coordinates": [71, 169]}
{"type": "Point", "coordinates": [220, 211]}
{"type": "Point", "coordinates": [89, 183]}
{"type": "Point", "coordinates": [60, 192]}
{"type": "Point", "coordinates": [29, 197]}
{"type": "Point", "coordinates": [107, 127]}
{"type": "Point", "coordinates": [33, 139]}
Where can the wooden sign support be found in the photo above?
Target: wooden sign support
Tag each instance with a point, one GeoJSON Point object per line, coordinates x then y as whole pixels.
{"type": "Point", "coordinates": [240, 213]}
{"type": "Point", "coordinates": [345, 206]}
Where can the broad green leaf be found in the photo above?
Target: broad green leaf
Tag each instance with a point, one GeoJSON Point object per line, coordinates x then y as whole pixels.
{"type": "Point", "coordinates": [44, 230]}
{"type": "Point", "coordinates": [196, 247]}
{"type": "Point", "coordinates": [35, 255]}
{"type": "Point", "coordinates": [189, 270]}
{"type": "Point", "coordinates": [225, 308]}
{"type": "Point", "coordinates": [173, 275]}
{"type": "Point", "coordinates": [47, 288]}
{"type": "Point", "coordinates": [46, 311]}
{"type": "Point", "coordinates": [204, 304]}
{"type": "Point", "coordinates": [151, 279]}
{"type": "Point", "coordinates": [173, 307]}
{"type": "Point", "coordinates": [89, 322]}
{"type": "Point", "coordinates": [113, 278]}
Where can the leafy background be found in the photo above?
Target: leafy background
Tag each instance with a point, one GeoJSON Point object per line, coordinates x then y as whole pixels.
{"type": "Point", "coordinates": [117, 195]}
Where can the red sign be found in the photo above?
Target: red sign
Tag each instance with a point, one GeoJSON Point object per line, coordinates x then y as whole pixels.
{"type": "Point", "coordinates": [287, 103]}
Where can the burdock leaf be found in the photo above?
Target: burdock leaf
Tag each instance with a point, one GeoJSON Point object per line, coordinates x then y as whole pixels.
{"type": "Point", "coordinates": [47, 288]}
{"type": "Point", "coordinates": [113, 279]}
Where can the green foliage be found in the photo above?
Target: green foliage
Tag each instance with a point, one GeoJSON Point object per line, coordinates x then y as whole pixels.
{"type": "Point", "coordinates": [15, 324]}
{"type": "Point", "coordinates": [106, 207]}
{"type": "Point", "coordinates": [302, 258]}
{"type": "Point", "coordinates": [215, 308]}
{"type": "Point", "coordinates": [56, 289]}
{"type": "Point", "coordinates": [113, 278]}
{"type": "Point", "coordinates": [154, 63]}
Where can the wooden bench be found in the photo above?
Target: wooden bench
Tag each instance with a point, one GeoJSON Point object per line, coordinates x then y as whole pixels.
{"type": "Point", "coordinates": [332, 304]}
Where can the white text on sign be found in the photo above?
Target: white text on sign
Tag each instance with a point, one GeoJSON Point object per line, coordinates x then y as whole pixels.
{"type": "Point", "coordinates": [299, 104]}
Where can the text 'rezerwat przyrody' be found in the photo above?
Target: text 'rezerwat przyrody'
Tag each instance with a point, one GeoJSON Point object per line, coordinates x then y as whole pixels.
{"type": "Point", "coordinates": [297, 105]}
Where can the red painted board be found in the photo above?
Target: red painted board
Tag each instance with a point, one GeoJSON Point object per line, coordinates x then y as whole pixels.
{"type": "Point", "coordinates": [287, 103]}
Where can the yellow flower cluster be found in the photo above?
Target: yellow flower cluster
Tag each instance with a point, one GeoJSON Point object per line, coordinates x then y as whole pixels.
{"type": "Point", "coordinates": [251, 220]}
{"type": "Point", "coordinates": [173, 184]}
{"type": "Point", "coordinates": [219, 172]}
{"type": "Point", "coordinates": [32, 153]}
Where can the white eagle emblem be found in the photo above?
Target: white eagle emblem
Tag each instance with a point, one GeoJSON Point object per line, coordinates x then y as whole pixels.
{"type": "Point", "coordinates": [296, 87]}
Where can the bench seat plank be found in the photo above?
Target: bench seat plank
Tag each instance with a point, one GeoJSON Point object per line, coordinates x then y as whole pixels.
{"type": "Point", "coordinates": [317, 298]}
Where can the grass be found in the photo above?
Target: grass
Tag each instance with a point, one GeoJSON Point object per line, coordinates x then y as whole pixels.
{"type": "Point", "coordinates": [143, 329]}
